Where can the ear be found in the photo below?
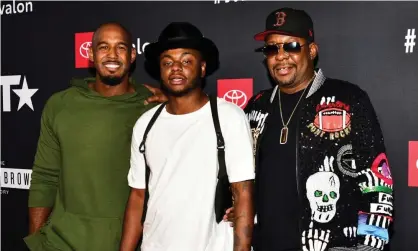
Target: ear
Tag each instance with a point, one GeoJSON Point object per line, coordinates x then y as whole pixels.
{"type": "Point", "coordinates": [133, 54]}
{"type": "Point", "coordinates": [91, 56]}
{"type": "Point", "coordinates": [203, 69]}
{"type": "Point", "coordinates": [313, 50]}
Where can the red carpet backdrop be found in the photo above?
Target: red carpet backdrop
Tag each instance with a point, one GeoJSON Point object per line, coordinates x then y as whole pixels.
{"type": "Point", "coordinates": [371, 44]}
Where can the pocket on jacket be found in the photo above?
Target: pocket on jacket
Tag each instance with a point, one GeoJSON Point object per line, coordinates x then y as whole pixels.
{"type": "Point", "coordinates": [80, 232]}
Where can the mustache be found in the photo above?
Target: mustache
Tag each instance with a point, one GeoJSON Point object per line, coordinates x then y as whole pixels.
{"type": "Point", "coordinates": [281, 65]}
{"type": "Point", "coordinates": [112, 61]}
{"type": "Point", "coordinates": [173, 76]}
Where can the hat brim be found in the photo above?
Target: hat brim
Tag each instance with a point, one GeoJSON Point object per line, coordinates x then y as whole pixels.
{"type": "Point", "coordinates": [262, 35]}
{"type": "Point", "coordinates": [205, 46]}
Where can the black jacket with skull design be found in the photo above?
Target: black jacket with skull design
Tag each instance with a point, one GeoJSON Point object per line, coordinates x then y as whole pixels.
{"type": "Point", "coordinates": [343, 176]}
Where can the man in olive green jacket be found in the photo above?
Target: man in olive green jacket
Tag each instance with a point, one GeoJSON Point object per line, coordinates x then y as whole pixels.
{"type": "Point", "coordinates": [79, 188]}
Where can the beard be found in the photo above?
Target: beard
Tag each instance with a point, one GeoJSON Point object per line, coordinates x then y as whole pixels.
{"type": "Point", "coordinates": [288, 83]}
{"type": "Point", "coordinates": [196, 83]}
{"type": "Point", "coordinates": [111, 81]}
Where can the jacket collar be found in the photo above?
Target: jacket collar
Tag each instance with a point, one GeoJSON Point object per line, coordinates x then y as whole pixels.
{"type": "Point", "coordinates": [317, 83]}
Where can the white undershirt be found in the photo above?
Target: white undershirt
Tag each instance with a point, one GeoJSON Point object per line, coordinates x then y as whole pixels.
{"type": "Point", "coordinates": [182, 155]}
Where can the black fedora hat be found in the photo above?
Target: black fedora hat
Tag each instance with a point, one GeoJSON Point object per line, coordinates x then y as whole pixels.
{"type": "Point", "coordinates": [181, 35]}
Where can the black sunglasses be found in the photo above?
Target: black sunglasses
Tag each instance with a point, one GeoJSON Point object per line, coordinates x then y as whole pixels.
{"type": "Point", "coordinates": [273, 49]}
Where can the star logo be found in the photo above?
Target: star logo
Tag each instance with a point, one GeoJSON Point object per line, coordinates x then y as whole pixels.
{"type": "Point", "coordinates": [25, 95]}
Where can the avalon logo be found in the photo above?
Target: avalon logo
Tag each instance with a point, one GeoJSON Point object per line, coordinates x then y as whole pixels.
{"type": "Point", "coordinates": [13, 8]}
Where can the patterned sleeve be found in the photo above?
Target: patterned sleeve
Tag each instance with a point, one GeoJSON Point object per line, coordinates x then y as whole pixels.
{"type": "Point", "coordinates": [375, 180]}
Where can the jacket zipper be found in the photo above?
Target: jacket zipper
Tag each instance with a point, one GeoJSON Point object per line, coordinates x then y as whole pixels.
{"type": "Point", "coordinates": [297, 159]}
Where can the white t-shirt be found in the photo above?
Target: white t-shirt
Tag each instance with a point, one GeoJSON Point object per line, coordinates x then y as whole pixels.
{"type": "Point", "coordinates": [181, 151]}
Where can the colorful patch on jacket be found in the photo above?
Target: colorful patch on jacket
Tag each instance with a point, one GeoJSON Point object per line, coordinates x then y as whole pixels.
{"type": "Point", "coordinates": [385, 198]}
{"type": "Point", "coordinates": [380, 168]}
{"type": "Point", "coordinates": [379, 178]}
{"type": "Point", "coordinates": [380, 208]}
{"type": "Point", "coordinates": [332, 119]}
{"type": "Point", "coordinates": [377, 220]}
{"type": "Point", "coordinates": [366, 229]}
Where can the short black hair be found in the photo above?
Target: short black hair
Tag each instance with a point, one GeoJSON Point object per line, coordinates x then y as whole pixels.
{"type": "Point", "coordinates": [127, 32]}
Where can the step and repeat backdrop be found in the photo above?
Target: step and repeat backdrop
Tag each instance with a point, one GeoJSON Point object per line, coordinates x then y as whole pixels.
{"type": "Point", "coordinates": [371, 44]}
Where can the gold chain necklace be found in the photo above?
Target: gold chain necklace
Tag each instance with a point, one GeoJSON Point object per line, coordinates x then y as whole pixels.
{"type": "Point", "coordinates": [285, 130]}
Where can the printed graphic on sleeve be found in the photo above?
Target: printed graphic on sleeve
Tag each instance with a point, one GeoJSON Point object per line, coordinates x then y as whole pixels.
{"type": "Point", "coordinates": [375, 242]}
{"type": "Point", "coordinates": [379, 208]}
{"type": "Point", "coordinates": [333, 119]}
{"type": "Point", "coordinates": [379, 178]}
{"type": "Point", "coordinates": [385, 198]}
{"type": "Point", "coordinates": [365, 229]}
{"type": "Point", "coordinates": [381, 221]}
{"type": "Point", "coordinates": [380, 168]}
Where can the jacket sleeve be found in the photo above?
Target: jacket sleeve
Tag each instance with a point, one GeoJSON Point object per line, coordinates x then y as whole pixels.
{"type": "Point", "coordinates": [47, 164]}
{"type": "Point", "coordinates": [374, 179]}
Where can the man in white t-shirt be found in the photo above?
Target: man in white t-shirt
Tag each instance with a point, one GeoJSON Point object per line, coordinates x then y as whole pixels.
{"type": "Point", "coordinates": [181, 153]}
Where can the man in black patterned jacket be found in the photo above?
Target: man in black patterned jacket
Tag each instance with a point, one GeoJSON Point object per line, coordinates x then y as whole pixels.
{"type": "Point", "coordinates": [323, 181]}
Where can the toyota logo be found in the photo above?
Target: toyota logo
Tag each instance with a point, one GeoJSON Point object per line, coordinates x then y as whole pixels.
{"type": "Point", "coordinates": [236, 97]}
{"type": "Point", "coordinates": [84, 49]}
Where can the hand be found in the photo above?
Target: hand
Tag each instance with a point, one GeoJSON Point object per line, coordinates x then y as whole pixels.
{"type": "Point", "coordinates": [229, 216]}
{"type": "Point", "coordinates": [314, 239]}
{"type": "Point", "coordinates": [157, 97]}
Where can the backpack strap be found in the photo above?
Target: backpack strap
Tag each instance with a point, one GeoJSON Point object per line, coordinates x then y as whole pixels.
{"type": "Point", "coordinates": [223, 194]}
{"type": "Point", "coordinates": [220, 140]}
{"type": "Point", "coordinates": [142, 150]}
